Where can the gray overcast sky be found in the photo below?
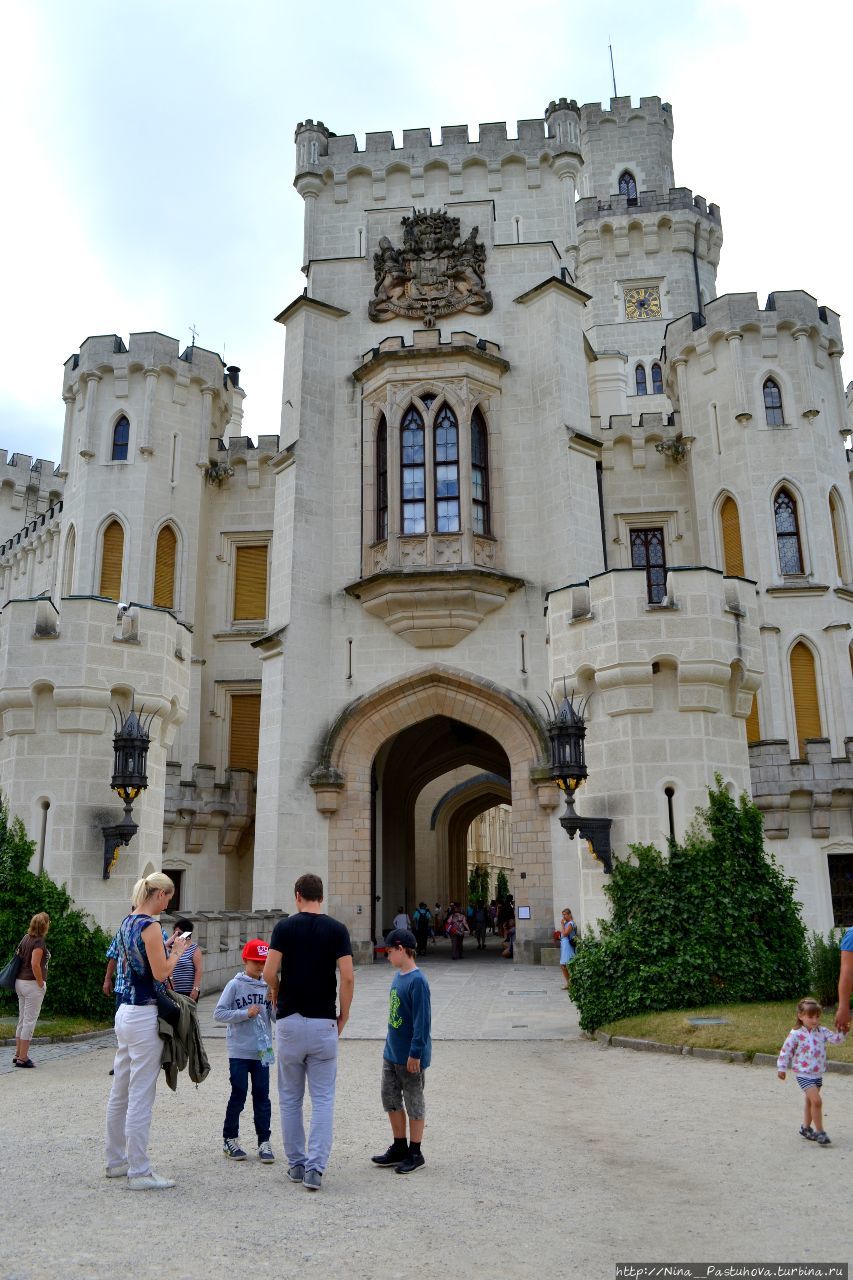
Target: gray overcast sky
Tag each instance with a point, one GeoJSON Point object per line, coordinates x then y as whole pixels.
{"type": "Point", "coordinates": [148, 151]}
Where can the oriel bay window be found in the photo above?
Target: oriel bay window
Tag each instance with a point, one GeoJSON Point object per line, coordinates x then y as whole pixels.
{"type": "Point", "coordinates": [413, 473]}
{"type": "Point", "coordinates": [446, 447]}
{"type": "Point", "coordinates": [480, 475]}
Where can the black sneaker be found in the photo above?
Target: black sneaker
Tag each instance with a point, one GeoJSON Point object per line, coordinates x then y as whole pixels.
{"type": "Point", "coordinates": [822, 1138]}
{"type": "Point", "coordinates": [411, 1163]}
{"type": "Point", "coordinates": [391, 1158]}
{"type": "Point", "coordinates": [807, 1132]}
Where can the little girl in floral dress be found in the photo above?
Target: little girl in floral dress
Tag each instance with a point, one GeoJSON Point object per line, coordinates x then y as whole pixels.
{"type": "Point", "coordinates": [805, 1051]}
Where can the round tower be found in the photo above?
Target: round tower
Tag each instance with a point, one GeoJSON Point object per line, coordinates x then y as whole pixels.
{"type": "Point", "coordinates": [312, 144]}
{"type": "Point", "coordinates": [562, 120]}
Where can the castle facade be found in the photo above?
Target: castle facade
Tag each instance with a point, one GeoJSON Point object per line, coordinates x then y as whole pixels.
{"type": "Point", "coordinates": [524, 448]}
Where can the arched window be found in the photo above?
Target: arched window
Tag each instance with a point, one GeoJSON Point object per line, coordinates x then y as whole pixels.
{"type": "Point", "coordinates": [753, 725]}
{"type": "Point", "coordinates": [640, 379]}
{"type": "Point", "coordinates": [481, 515]}
{"type": "Point", "coordinates": [68, 563]}
{"type": "Point", "coordinates": [773, 403]}
{"type": "Point", "coordinates": [732, 545]}
{"type": "Point", "coordinates": [446, 458]}
{"type": "Point", "coordinates": [413, 473]}
{"type": "Point", "coordinates": [804, 689]}
{"type": "Point", "coordinates": [839, 536]}
{"type": "Point", "coordinates": [112, 555]}
{"type": "Point", "coordinates": [165, 559]}
{"type": "Point", "coordinates": [657, 380]}
{"type": "Point", "coordinates": [787, 533]}
{"type": "Point", "coordinates": [381, 481]}
{"type": "Point", "coordinates": [628, 186]}
{"type": "Point", "coordinates": [121, 437]}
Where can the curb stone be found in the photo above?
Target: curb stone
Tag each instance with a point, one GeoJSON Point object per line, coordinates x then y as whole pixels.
{"type": "Point", "coordinates": [80, 1035]}
{"type": "Point", "coordinates": [714, 1055]}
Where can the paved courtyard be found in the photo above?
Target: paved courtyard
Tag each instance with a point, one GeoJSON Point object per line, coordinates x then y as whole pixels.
{"type": "Point", "coordinates": [546, 1154]}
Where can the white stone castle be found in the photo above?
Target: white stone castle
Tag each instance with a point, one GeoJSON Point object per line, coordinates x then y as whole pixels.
{"type": "Point", "coordinates": [524, 448]}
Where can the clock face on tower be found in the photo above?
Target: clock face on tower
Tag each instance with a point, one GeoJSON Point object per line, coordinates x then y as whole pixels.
{"type": "Point", "coordinates": [642, 302]}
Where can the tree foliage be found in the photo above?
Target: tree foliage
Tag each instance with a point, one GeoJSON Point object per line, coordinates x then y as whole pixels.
{"type": "Point", "coordinates": [478, 886]}
{"type": "Point", "coordinates": [76, 945]}
{"type": "Point", "coordinates": [501, 887]}
{"type": "Point", "coordinates": [715, 922]}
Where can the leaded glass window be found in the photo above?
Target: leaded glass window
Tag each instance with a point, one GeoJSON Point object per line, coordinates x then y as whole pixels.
{"type": "Point", "coordinates": [647, 552]}
{"type": "Point", "coordinates": [787, 533]}
{"type": "Point", "coordinates": [657, 380]}
{"type": "Point", "coordinates": [446, 456]}
{"type": "Point", "coordinates": [121, 438]}
{"type": "Point", "coordinates": [481, 516]}
{"type": "Point", "coordinates": [413, 473]}
{"type": "Point", "coordinates": [381, 481]}
{"type": "Point", "coordinates": [773, 404]}
{"type": "Point", "coordinates": [640, 379]}
{"type": "Point", "coordinates": [628, 186]}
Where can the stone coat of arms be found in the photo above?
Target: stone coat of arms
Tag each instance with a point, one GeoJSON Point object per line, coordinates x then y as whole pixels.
{"type": "Point", "coordinates": [434, 274]}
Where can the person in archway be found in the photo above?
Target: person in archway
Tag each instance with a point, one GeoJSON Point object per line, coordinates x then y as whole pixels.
{"type": "Point", "coordinates": [457, 927]}
{"type": "Point", "coordinates": [401, 920]}
{"type": "Point", "coordinates": [422, 922]}
{"type": "Point", "coordinates": [480, 920]}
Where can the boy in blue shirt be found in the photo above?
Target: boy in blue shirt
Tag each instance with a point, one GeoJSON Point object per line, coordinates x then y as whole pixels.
{"type": "Point", "coordinates": [408, 1049]}
{"type": "Point", "coordinates": [244, 1007]}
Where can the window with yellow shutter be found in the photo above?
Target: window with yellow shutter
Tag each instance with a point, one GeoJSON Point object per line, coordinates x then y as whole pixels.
{"type": "Point", "coordinates": [165, 559]}
{"type": "Point", "coordinates": [804, 688]}
{"type": "Point", "coordinates": [753, 727]}
{"type": "Point", "coordinates": [245, 731]}
{"type": "Point", "coordinates": [112, 555]}
{"type": "Point", "coordinates": [732, 545]}
{"type": "Point", "coordinates": [250, 583]}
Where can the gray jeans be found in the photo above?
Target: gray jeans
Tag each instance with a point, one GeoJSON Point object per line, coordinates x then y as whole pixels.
{"type": "Point", "coordinates": [307, 1053]}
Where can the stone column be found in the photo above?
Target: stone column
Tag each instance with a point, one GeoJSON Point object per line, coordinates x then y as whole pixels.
{"type": "Point", "coordinates": [88, 450]}
{"type": "Point", "coordinates": [774, 721]}
{"type": "Point", "coordinates": [204, 430]}
{"type": "Point", "coordinates": [808, 404]}
{"type": "Point", "coordinates": [67, 432]}
{"type": "Point", "coordinates": [735, 339]}
{"type": "Point", "coordinates": [151, 376]}
{"type": "Point", "coordinates": [567, 167]}
{"type": "Point", "coordinates": [681, 379]}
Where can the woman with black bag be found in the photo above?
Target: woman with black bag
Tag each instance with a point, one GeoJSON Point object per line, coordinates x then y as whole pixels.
{"type": "Point", "coordinates": [137, 1061]}
{"type": "Point", "coordinates": [30, 985]}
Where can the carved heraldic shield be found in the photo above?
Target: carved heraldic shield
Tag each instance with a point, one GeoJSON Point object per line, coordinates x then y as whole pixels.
{"type": "Point", "coordinates": [434, 274]}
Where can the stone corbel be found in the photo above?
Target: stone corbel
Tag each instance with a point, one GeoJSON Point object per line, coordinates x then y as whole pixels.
{"type": "Point", "coordinates": [547, 792]}
{"type": "Point", "coordinates": [327, 783]}
{"type": "Point", "coordinates": [821, 813]}
{"type": "Point", "coordinates": [195, 830]}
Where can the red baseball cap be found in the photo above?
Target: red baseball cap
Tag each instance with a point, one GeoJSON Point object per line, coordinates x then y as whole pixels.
{"type": "Point", "coordinates": [256, 949]}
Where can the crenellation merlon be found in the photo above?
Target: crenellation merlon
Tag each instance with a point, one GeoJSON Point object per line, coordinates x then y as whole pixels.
{"type": "Point", "coordinates": [733, 312]}
{"type": "Point", "coordinates": [621, 110]}
{"type": "Point", "coordinates": [104, 352]}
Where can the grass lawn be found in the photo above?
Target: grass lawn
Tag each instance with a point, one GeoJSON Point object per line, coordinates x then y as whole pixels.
{"type": "Point", "coordinates": [53, 1025]}
{"type": "Point", "coordinates": [750, 1028]}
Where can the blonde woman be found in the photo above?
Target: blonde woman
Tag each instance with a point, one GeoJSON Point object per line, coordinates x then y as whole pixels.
{"type": "Point", "coordinates": [137, 1063]}
{"type": "Point", "coordinates": [31, 985]}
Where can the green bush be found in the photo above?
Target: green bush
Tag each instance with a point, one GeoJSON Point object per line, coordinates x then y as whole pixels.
{"type": "Point", "coordinates": [715, 922]}
{"type": "Point", "coordinates": [825, 957]}
{"type": "Point", "coordinates": [77, 947]}
{"type": "Point", "coordinates": [501, 887]}
{"type": "Point", "coordinates": [478, 886]}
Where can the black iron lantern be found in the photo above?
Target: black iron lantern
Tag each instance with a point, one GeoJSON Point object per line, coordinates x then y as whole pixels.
{"type": "Point", "coordinates": [130, 743]}
{"type": "Point", "coordinates": [566, 732]}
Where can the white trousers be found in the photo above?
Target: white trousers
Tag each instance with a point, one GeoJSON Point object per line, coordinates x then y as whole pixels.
{"type": "Point", "coordinates": [131, 1101]}
{"type": "Point", "coordinates": [30, 996]}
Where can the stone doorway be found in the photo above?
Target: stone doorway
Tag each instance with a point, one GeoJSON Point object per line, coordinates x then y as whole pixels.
{"type": "Point", "coordinates": [406, 740]}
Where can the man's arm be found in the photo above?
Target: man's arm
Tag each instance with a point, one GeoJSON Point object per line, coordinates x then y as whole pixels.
{"type": "Point", "coordinates": [346, 986]}
{"type": "Point", "coordinates": [270, 975]}
{"type": "Point", "coordinates": [845, 986]}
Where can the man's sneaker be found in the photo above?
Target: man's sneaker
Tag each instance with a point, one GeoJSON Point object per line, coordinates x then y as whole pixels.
{"type": "Point", "coordinates": [117, 1170]}
{"type": "Point", "coordinates": [265, 1153]}
{"type": "Point", "coordinates": [411, 1163]}
{"type": "Point", "coordinates": [822, 1138]}
{"type": "Point", "coordinates": [313, 1180]}
{"type": "Point", "coordinates": [296, 1173]}
{"type": "Point", "coordinates": [150, 1182]}
{"type": "Point", "coordinates": [232, 1149]}
{"type": "Point", "coordinates": [392, 1157]}
{"type": "Point", "coordinates": [806, 1131]}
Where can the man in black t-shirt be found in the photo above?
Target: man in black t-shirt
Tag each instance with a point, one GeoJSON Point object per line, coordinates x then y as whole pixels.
{"type": "Point", "coordinates": [310, 949]}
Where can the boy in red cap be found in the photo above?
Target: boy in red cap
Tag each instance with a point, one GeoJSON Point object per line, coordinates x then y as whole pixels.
{"type": "Point", "coordinates": [244, 1007]}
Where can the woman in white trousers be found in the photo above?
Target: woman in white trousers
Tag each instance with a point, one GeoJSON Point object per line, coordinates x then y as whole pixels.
{"type": "Point", "coordinates": [31, 985]}
{"type": "Point", "coordinates": [137, 1061]}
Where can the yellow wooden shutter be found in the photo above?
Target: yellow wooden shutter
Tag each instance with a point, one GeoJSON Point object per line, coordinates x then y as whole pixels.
{"type": "Point", "coordinates": [732, 546]}
{"type": "Point", "coordinates": [250, 583]}
{"type": "Point", "coordinates": [753, 728]}
{"type": "Point", "coordinates": [111, 560]}
{"type": "Point", "coordinates": [164, 568]}
{"type": "Point", "coordinates": [245, 731]}
{"type": "Point", "coordinates": [806, 705]}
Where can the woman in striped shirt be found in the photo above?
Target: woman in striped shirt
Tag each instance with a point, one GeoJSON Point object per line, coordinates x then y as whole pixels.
{"type": "Point", "coordinates": [187, 975]}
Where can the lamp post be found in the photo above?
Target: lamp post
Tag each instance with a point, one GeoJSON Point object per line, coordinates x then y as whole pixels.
{"type": "Point", "coordinates": [130, 744]}
{"type": "Point", "coordinates": [566, 732]}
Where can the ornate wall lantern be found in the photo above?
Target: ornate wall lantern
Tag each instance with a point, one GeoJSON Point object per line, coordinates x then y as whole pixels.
{"type": "Point", "coordinates": [566, 732]}
{"type": "Point", "coordinates": [130, 744]}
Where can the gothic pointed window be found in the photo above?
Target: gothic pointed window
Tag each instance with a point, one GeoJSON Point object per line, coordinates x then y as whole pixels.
{"type": "Point", "coordinates": [121, 438]}
{"type": "Point", "coordinates": [481, 516]}
{"type": "Point", "coordinates": [647, 552]}
{"type": "Point", "coordinates": [628, 186]}
{"type": "Point", "coordinates": [657, 380]}
{"type": "Point", "coordinates": [112, 556]}
{"type": "Point", "coordinates": [446, 459]}
{"type": "Point", "coordinates": [165, 563]}
{"type": "Point", "coordinates": [381, 481]}
{"type": "Point", "coordinates": [640, 380]}
{"type": "Point", "coordinates": [839, 535]}
{"type": "Point", "coordinates": [732, 544]}
{"type": "Point", "coordinates": [787, 533]}
{"type": "Point", "coordinates": [804, 689]}
{"type": "Point", "coordinates": [413, 473]}
{"type": "Point", "coordinates": [773, 403]}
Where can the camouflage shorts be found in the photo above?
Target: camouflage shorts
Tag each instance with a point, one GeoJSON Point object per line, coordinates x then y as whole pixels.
{"type": "Point", "coordinates": [402, 1088]}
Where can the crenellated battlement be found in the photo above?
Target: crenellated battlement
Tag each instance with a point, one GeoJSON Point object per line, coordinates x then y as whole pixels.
{"type": "Point", "coordinates": [15, 467]}
{"type": "Point", "coordinates": [737, 312]}
{"type": "Point", "coordinates": [108, 353]}
{"type": "Point", "coordinates": [30, 533]}
{"type": "Point", "coordinates": [647, 202]}
{"type": "Point", "coordinates": [622, 110]}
